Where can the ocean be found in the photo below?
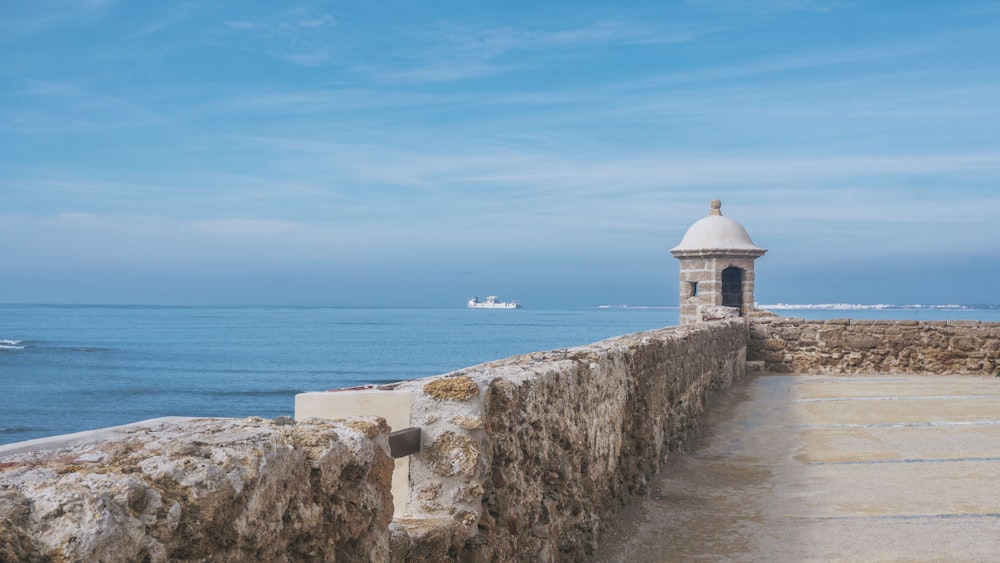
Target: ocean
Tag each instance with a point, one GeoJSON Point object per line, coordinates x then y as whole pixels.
{"type": "Point", "coordinates": [71, 368]}
{"type": "Point", "coordinates": [66, 368]}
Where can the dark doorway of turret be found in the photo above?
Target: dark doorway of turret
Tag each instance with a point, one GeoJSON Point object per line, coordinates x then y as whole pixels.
{"type": "Point", "coordinates": [732, 288]}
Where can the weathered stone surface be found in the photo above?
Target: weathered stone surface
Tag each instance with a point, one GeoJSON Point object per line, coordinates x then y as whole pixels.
{"type": "Point", "coordinates": [452, 454]}
{"type": "Point", "coordinates": [771, 344]}
{"type": "Point", "coordinates": [566, 437]}
{"type": "Point", "coordinates": [908, 346]}
{"type": "Point", "coordinates": [467, 422]}
{"type": "Point", "coordinates": [211, 489]}
{"type": "Point", "coordinates": [862, 341]}
{"type": "Point", "coordinates": [532, 468]}
{"type": "Point", "coordinates": [460, 388]}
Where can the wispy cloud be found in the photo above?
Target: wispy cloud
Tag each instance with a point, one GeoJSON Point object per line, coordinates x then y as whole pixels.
{"type": "Point", "coordinates": [37, 17]}
{"type": "Point", "coordinates": [795, 62]}
{"type": "Point", "coordinates": [446, 71]}
{"type": "Point", "coordinates": [301, 39]}
{"type": "Point", "coordinates": [289, 26]}
{"type": "Point", "coordinates": [13, 29]}
{"type": "Point", "coordinates": [458, 51]}
{"type": "Point", "coordinates": [76, 219]}
{"type": "Point", "coordinates": [492, 42]}
{"type": "Point", "coordinates": [485, 165]}
{"type": "Point", "coordinates": [176, 15]}
{"type": "Point", "coordinates": [242, 226]}
{"type": "Point", "coordinates": [96, 4]}
{"type": "Point", "coordinates": [769, 7]}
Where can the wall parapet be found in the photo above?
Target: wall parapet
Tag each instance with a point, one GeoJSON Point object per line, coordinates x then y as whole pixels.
{"type": "Point", "coordinates": [529, 457]}
{"type": "Point", "coordinates": [526, 458]}
{"type": "Point", "coordinates": [202, 489]}
{"type": "Point", "coordinates": [795, 345]}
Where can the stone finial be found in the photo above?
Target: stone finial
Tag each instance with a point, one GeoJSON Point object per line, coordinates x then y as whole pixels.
{"type": "Point", "coordinates": [716, 207]}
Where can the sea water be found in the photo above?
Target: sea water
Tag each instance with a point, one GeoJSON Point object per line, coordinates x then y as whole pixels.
{"type": "Point", "coordinates": [71, 368]}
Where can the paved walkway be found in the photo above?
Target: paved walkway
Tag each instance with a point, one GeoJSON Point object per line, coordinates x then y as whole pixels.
{"type": "Point", "coordinates": [827, 468]}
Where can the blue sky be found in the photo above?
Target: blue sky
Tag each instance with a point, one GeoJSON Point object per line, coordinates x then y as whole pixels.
{"type": "Point", "coordinates": [394, 153]}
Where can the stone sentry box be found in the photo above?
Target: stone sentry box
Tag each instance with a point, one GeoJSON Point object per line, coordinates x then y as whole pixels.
{"type": "Point", "coordinates": [717, 266]}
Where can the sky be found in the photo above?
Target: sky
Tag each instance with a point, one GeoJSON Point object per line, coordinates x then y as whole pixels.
{"type": "Point", "coordinates": [395, 153]}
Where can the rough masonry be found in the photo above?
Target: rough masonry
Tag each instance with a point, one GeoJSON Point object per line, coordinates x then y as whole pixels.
{"type": "Point", "coordinates": [205, 490]}
{"type": "Point", "coordinates": [527, 458]}
{"type": "Point", "coordinates": [792, 345]}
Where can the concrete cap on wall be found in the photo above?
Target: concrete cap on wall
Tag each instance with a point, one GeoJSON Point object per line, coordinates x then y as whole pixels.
{"type": "Point", "coordinates": [717, 232]}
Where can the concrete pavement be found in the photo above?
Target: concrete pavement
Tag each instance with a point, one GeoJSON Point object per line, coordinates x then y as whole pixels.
{"type": "Point", "coordinates": [829, 468]}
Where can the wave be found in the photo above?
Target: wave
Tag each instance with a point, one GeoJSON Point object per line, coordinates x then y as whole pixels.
{"type": "Point", "coordinates": [20, 429]}
{"type": "Point", "coordinates": [250, 393]}
{"type": "Point", "coordinates": [6, 344]}
{"type": "Point", "coordinates": [860, 307]}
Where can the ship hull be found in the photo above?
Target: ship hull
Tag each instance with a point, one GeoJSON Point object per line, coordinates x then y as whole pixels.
{"type": "Point", "coordinates": [491, 303]}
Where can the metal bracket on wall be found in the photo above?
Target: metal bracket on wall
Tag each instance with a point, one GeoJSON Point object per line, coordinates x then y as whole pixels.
{"type": "Point", "coordinates": [404, 442]}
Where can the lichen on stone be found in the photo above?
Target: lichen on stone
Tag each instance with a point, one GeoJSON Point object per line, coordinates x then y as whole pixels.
{"type": "Point", "coordinates": [460, 388]}
{"type": "Point", "coordinates": [452, 454]}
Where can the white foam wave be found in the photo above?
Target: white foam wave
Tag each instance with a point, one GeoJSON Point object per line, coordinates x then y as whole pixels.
{"type": "Point", "coordinates": [855, 306]}
{"type": "Point", "coordinates": [11, 344]}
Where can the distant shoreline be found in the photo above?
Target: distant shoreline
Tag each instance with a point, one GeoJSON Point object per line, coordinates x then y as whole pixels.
{"type": "Point", "coordinates": [878, 307]}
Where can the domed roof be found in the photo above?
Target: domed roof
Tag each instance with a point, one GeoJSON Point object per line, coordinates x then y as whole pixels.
{"type": "Point", "coordinates": [716, 232]}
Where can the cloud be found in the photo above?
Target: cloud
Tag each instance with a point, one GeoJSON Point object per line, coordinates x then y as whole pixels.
{"type": "Point", "coordinates": [303, 25]}
{"type": "Point", "coordinates": [769, 7]}
{"type": "Point", "coordinates": [239, 25]}
{"type": "Point", "coordinates": [458, 51]}
{"type": "Point", "coordinates": [497, 41]}
{"type": "Point", "coordinates": [175, 16]}
{"type": "Point", "coordinates": [446, 71]}
{"type": "Point", "coordinates": [794, 62]}
{"type": "Point", "coordinates": [241, 226]}
{"type": "Point", "coordinates": [313, 22]}
{"type": "Point", "coordinates": [96, 4]}
{"type": "Point", "coordinates": [303, 40]}
{"type": "Point", "coordinates": [76, 219]}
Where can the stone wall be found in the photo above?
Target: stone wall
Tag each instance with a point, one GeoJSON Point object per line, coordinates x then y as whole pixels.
{"type": "Point", "coordinates": [523, 459]}
{"type": "Point", "coordinates": [203, 490]}
{"type": "Point", "coordinates": [528, 458]}
{"type": "Point", "coordinates": [792, 345]}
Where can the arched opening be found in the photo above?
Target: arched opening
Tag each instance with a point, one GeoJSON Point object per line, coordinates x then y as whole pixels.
{"type": "Point", "coordinates": [732, 287]}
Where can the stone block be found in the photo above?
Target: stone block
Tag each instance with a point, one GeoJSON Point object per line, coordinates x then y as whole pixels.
{"type": "Point", "coordinates": [862, 341]}
{"type": "Point", "coordinates": [219, 490]}
{"type": "Point", "coordinates": [832, 336]}
{"type": "Point", "coordinates": [965, 343]}
{"type": "Point", "coordinates": [789, 333]}
{"type": "Point", "coordinates": [452, 454]}
{"type": "Point", "coordinates": [460, 388]}
{"type": "Point", "coordinates": [964, 324]}
{"type": "Point", "coordinates": [770, 344]}
{"type": "Point", "coordinates": [770, 356]}
{"type": "Point", "coordinates": [779, 368]}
